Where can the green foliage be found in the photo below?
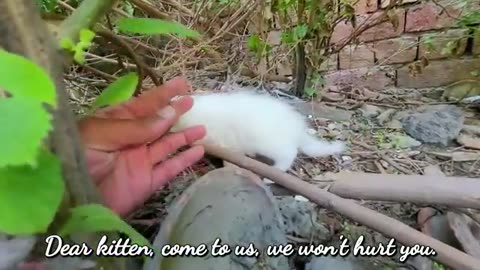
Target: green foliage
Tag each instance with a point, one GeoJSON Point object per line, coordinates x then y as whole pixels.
{"type": "Point", "coordinates": [23, 78]}
{"type": "Point", "coordinates": [316, 81]}
{"type": "Point", "coordinates": [47, 5]}
{"type": "Point", "coordinates": [97, 218]}
{"type": "Point", "coordinates": [117, 92]}
{"type": "Point", "coordinates": [24, 120]}
{"type": "Point", "coordinates": [470, 20]}
{"type": "Point", "coordinates": [438, 266]}
{"type": "Point", "coordinates": [298, 33]}
{"type": "Point", "coordinates": [258, 46]}
{"type": "Point", "coordinates": [25, 124]}
{"type": "Point", "coordinates": [128, 8]}
{"type": "Point", "coordinates": [30, 196]}
{"type": "Point", "coordinates": [147, 26]}
{"type": "Point", "coordinates": [85, 41]}
{"type": "Point", "coordinates": [52, 5]}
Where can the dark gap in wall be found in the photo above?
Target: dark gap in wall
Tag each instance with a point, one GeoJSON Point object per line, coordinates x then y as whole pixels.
{"type": "Point", "coordinates": [337, 56]}
{"type": "Point", "coordinates": [379, 4]}
{"type": "Point", "coordinates": [417, 53]}
{"type": "Point", "coordinates": [469, 47]}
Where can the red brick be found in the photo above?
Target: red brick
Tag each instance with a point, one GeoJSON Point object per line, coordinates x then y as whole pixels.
{"type": "Point", "coordinates": [377, 78]}
{"type": "Point", "coordinates": [341, 32]}
{"type": "Point", "coordinates": [396, 50]}
{"type": "Point", "coordinates": [382, 31]}
{"type": "Point", "coordinates": [439, 41]}
{"type": "Point", "coordinates": [429, 16]}
{"type": "Point", "coordinates": [439, 73]}
{"type": "Point", "coordinates": [355, 56]}
{"type": "Point", "coordinates": [330, 64]}
{"type": "Point", "coordinates": [476, 43]}
{"type": "Point", "coordinates": [365, 6]}
{"type": "Point", "coordinates": [385, 3]}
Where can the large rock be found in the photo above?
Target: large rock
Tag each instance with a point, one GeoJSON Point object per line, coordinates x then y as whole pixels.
{"type": "Point", "coordinates": [436, 124]}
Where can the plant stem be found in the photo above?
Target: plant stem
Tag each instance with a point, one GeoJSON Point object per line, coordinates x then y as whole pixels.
{"type": "Point", "coordinates": [86, 15]}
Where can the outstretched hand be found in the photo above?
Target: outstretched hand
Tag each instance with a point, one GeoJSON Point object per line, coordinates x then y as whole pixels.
{"type": "Point", "coordinates": [127, 152]}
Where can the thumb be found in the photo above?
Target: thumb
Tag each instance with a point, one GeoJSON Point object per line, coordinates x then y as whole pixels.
{"type": "Point", "coordinates": [114, 134]}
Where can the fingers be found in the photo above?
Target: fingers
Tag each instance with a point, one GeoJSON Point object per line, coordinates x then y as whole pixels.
{"type": "Point", "coordinates": [160, 150]}
{"type": "Point", "coordinates": [114, 134]}
{"type": "Point", "coordinates": [152, 100]}
{"type": "Point", "coordinates": [169, 169]}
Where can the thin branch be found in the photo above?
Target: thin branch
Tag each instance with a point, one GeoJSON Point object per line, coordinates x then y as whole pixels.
{"type": "Point", "coordinates": [86, 15]}
{"type": "Point", "coordinates": [141, 65]}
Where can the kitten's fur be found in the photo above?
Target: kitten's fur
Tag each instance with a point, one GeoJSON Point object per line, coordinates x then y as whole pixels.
{"type": "Point", "coordinates": [255, 124]}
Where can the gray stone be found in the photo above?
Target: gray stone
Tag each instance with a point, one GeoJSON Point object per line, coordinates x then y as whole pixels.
{"type": "Point", "coordinates": [320, 263]}
{"type": "Point", "coordinates": [370, 110]}
{"type": "Point", "coordinates": [436, 124]}
{"type": "Point", "coordinates": [300, 217]}
{"type": "Point", "coordinates": [337, 262]}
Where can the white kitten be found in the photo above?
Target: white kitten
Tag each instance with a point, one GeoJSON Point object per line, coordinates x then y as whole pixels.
{"type": "Point", "coordinates": [255, 124]}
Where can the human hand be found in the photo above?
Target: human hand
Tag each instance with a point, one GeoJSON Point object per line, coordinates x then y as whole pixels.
{"type": "Point", "coordinates": [126, 150]}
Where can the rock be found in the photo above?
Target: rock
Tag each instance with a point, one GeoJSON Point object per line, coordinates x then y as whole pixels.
{"type": "Point", "coordinates": [469, 141]}
{"type": "Point", "coordinates": [385, 116]}
{"type": "Point", "coordinates": [370, 110]}
{"type": "Point", "coordinates": [461, 89]}
{"type": "Point", "coordinates": [337, 262]}
{"type": "Point", "coordinates": [299, 218]}
{"type": "Point", "coordinates": [402, 141]}
{"type": "Point", "coordinates": [435, 124]}
{"type": "Point", "coordinates": [320, 263]}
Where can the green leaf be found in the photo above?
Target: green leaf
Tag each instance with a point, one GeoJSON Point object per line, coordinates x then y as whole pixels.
{"type": "Point", "coordinates": [300, 31]}
{"type": "Point", "coordinates": [147, 26]}
{"type": "Point", "coordinates": [25, 123]}
{"type": "Point", "coordinates": [67, 44]}
{"type": "Point", "coordinates": [30, 197]}
{"type": "Point", "coordinates": [23, 78]}
{"type": "Point", "coordinates": [253, 43]}
{"type": "Point", "coordinates": [309, 91]}
{"type": "Point", "coordinates": [119, 91]}
{"type": "Point", "coordinates": [86, 35]}
{"type": "Point", "coordinates": [97, 218]}
{"type": "Point", "coordinates": [79, 56]}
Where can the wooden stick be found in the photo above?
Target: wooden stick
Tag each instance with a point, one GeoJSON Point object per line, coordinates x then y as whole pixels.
{"type": "Point", "coordinates": [388, 226]}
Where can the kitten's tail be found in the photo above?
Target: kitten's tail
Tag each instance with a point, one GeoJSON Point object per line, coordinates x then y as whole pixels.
{"type": "Point", "coordinates": [315, 147]}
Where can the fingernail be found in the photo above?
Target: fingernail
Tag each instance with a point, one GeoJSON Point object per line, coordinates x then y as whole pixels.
{"type": "Point", "coordinates": [167, 112]}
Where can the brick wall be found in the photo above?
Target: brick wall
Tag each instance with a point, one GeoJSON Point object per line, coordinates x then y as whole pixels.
{"type": "Point", "coordinates": [383, 55]}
